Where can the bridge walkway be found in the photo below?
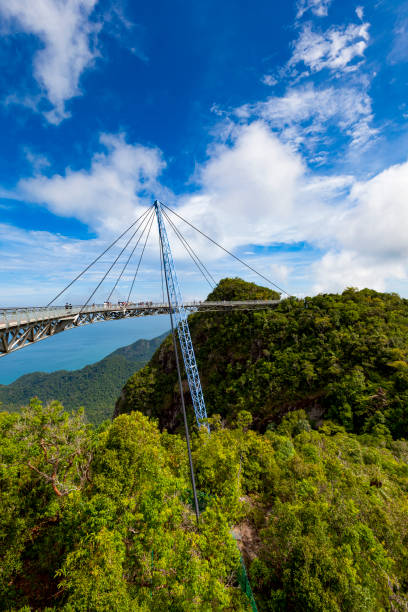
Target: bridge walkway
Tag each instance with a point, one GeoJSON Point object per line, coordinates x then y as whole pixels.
{"type": "Point", "coordinates": [20, 327]}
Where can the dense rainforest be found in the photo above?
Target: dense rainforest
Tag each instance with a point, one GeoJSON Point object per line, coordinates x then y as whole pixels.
{"type": "Point", "coordinates": [338, 357]}
{"type": "Point", "coordinates": [95, 387]}
{"type": "Point", "coordinates": [102, 519]}
{"type": "Point", "coordinates": [304, 474]}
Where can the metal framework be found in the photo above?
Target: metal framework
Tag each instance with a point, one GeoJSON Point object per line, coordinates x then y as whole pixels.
{"type": "Point", "coordinates": [20, 327]}
{"type": "Point", "coordinates": [180, 317]}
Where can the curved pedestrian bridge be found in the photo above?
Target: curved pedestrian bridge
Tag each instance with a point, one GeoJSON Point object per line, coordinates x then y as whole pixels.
{"type": "Point", "coordinates": [20, 327]}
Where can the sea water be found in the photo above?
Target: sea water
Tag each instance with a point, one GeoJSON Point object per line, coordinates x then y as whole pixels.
{"type": "Point", "coordinates": [78, 347]}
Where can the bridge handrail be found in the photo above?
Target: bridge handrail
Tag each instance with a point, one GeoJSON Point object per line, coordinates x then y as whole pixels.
{"type": "Point", "coordinates": [19, 315]}
{"type": "Point", "coordinates": [115, 306]}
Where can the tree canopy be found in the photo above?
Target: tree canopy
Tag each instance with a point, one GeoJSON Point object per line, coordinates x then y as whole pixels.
{"type": "Point", "coordinates": [103, 520]}
{"type": "Point", "coordinates": [342, 357]}
{"type": "Point", "coordinates": [304, 475]}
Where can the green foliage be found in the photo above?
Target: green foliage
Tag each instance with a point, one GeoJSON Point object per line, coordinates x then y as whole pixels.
{"type": "Point", "coordinates": [102, 520]}
{"type": "Point", "coordinates": [95, 387]}
{"type": "Point", "coordinates": [98, 520]}
{"type": "Point", "coordinates": [235, 289]}
{"type": "Point", "coordinates": [335, 538]}
{"type": "Point", "coordinates": [93, 574]}
{"type": "Point", "coordinates": [338, 357]}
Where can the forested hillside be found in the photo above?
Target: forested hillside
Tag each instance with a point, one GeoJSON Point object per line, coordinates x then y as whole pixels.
{"type": "Point", "coordinates": [102, 520]}
{"type": "Point", "coordinates": [305, 473]}
{"type": "Point", "coordinates": [341, 357]}
{"type": "Point", "coordinates": [95, 387]}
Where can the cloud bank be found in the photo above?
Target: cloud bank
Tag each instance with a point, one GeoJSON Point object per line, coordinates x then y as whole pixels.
{"type": "Point", "coordinates": [120, 180]}
{"type": "Point", "coordinates": [259, 183]}
{"type": "Point", "coordinates": [68, 46]}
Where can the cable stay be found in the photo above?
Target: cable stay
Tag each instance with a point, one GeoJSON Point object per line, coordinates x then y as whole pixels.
{"type": "Point", "coordinates": [268, 280]}
{"type": "Point", "coordinates": [97, 259]}
{"type": "Point", "coordinates": [131, 255]}
{"type": "Point", "coordinates": [110, 267]}
{"type": "Point", "coordinates": [141, 256]}
{"type": "Point", "coordinates": [199, 264]}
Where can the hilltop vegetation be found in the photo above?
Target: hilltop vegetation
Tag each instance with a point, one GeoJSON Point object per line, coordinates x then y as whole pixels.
{"type": "Point", "coordinates": [235, 289]}
{"type": "Point", "coordinates": [102, 520]}
{"type": "Point", "coordinates": [341, 357]}
{"type": "Point", "coordinates": [95, 387]}
{"type": "Point", "coordinates": [306, 469]}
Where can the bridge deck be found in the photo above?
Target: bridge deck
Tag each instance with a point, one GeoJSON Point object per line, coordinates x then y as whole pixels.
{"type": "Point", "coordinates": [20, 327]}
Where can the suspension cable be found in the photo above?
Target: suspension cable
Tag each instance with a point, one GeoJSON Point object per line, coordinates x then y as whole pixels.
{"type": "Point", "coordinates": [226, 251]}
{"type": "Point", "coordinates": [140, 258]}
{"type": "Point", "coordinates": [97, 258]}
{"type": "Point", "coordinates": [110, 268]}
{"type": "Point", "coordinates": [188, 246]}
{"type": "Point", "coordinates": [199, 264]}
{"type": "Point", "coordinates": [147, 219]}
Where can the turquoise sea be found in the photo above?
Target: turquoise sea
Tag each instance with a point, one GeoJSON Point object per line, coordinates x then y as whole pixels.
{"type": "Point", "coordinates": [76, 348]}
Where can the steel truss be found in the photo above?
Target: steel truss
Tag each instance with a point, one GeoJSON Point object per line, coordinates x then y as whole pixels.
{"type": "Point", "coordinates": [20, 327]}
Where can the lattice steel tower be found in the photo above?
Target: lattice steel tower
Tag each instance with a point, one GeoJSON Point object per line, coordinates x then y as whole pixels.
{"type": "Point", "coordinates": [180, 317]}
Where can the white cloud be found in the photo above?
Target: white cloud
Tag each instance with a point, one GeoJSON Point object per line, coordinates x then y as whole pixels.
{"type": "Point", "coordinates": [399, 51]}
{"type": "Point", "coordinates": [280, 272]}
{"type": "Point", "coordinates": [338, 270]}
{"type": "Point", "coordinates": [126, 33]}
{"type": "Point", "coordinates": [38, 162]}
{"type": "Point", "coordinates": [68, 45]}
{"type": "Point", "coordinates": [246, 185]}
{"type": "Point", "coordinates": [269, 79]}
{"type": "Point", "coordinates": [253, 190]}
{"type": "Point", "coordinates": [305, 114]}
{"type": "Point", "coordinates": [377, 221]}
{"type": "Point", "coordinates": [256, 190]}
{"type": "Point", "coordinates": [360, 12]}
{"type": "Point", "coordinates": [36, 263]}
{"type": "Point", "coordinates": [318, 7]}
{"type": "Point", "coordinates": [335, 49]}
{"type": "Point", "coordinates": [371, 235]}
{"type": "Point", "coordinates": [105, 196]}
{"type": "Point", "coordinates": [312, 118]}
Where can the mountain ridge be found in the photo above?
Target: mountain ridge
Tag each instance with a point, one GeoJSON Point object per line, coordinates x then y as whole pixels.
{"type": "Point", "coordinates": [342, 357]}
{"type": "Point", "coordinates": [95, 386]}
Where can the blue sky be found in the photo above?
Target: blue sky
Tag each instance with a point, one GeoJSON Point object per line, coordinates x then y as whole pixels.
{"type": "Point", "coordinates": [277, 127]}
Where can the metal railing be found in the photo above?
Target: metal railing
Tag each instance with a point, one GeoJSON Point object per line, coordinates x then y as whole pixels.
{"type": "Point", "coordinates": [10, 316]}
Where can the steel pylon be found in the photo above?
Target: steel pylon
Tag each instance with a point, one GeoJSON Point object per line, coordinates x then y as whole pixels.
{"type": "Point", "coordinates": [180, 317]}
